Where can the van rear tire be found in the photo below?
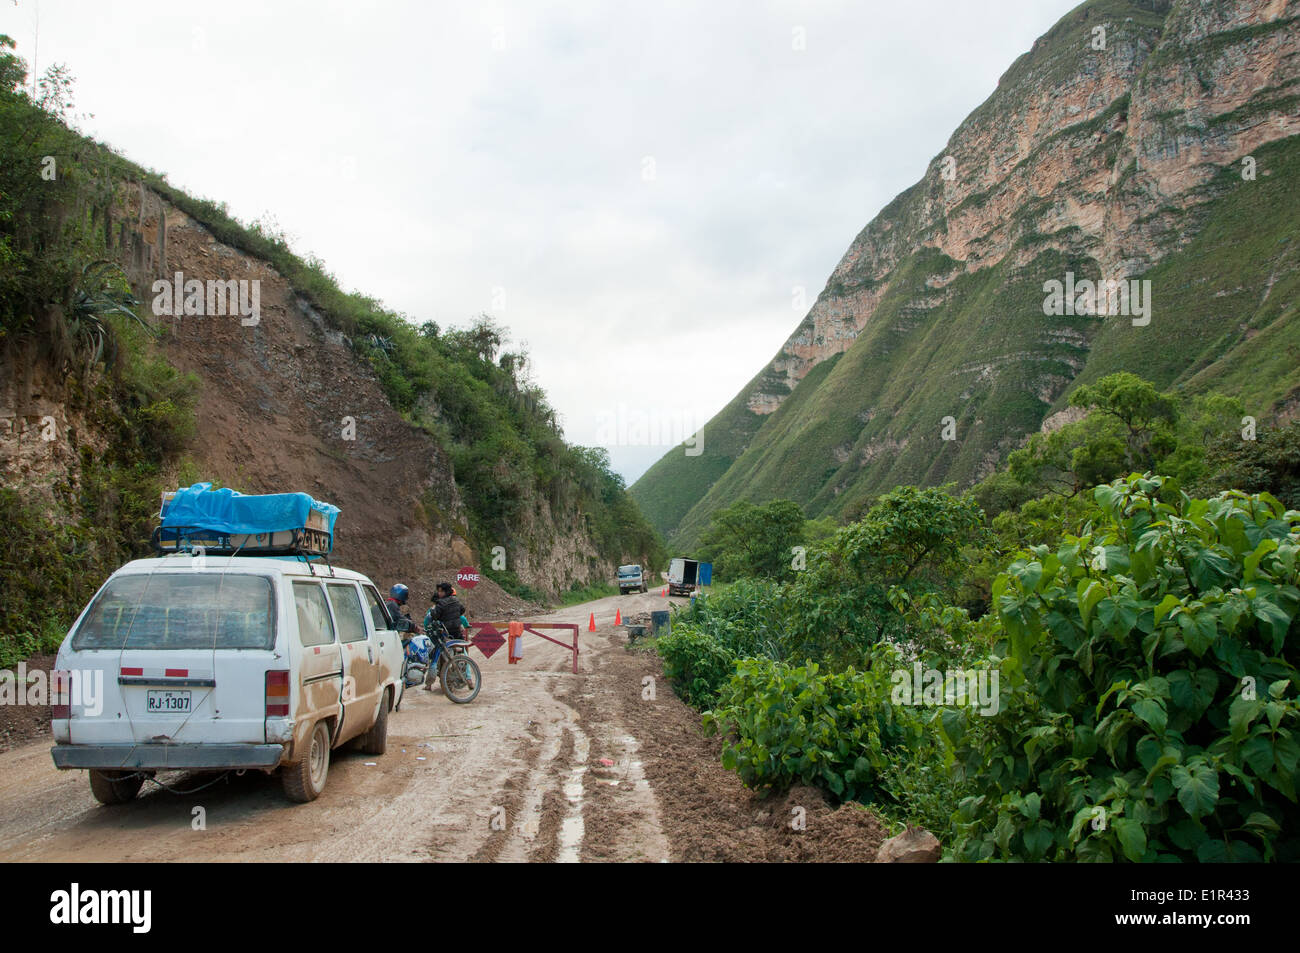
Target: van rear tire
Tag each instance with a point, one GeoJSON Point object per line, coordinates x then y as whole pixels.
{"type": "Point", "coordinates": [375, 741]}
{"type": "Point", "coordinates": [110, 787]}
{"type": "Point", "coordinates": [304, 779]}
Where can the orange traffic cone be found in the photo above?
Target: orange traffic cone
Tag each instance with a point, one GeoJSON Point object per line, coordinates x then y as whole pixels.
{"type": "Point", "coordinates": [664, 591]}
{"type": "Point", "coordinates": [591, 623]}
{"type": "Point", "coordinates": [618, 616]}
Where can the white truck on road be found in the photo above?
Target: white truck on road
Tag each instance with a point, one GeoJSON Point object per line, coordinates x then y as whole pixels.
{"type": "Point", "coordinates": [630, 579]}
{"type": "Point", "coordinates": [683, 576]}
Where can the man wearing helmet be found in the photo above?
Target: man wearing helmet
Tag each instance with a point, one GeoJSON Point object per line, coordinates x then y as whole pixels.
{"type": "Point", "coordinates": [396, 602]}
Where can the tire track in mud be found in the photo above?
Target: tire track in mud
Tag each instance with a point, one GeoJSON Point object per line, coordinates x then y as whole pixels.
{"type": "Point", "coordinates": [555, 768]}
{"type": "Point", "coordinates": [546, 848]}
{"type": "Point", "coordinates": [527, 752]}
{"type": "Point", "coordinates": [622, 817]}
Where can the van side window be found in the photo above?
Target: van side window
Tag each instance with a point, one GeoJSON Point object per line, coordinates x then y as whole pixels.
{"type": "Point", "coordinates": [347, 612]}
{"type": "Point", "coordinates": [314, 625]}
{"type": "Point", "coordinates": [377, 611]}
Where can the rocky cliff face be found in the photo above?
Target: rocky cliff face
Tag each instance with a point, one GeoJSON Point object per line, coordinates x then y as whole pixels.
{"type": "Point", "coordinates": [1085, 158]}
{"type": "Point", "coordinates": [1106, 150]}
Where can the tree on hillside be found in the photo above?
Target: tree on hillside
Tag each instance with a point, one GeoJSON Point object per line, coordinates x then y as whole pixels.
{"type": "Point", "coordinates": [749, 540]}
{"type": "Point", "coordinates": [911, 538]}
{"type": "Point", "coordinates": [1131, 426]}
{"type": "Point", "coordinates": [1068, 460]}
{"type": "Point", "coordinates": [1146, 415]}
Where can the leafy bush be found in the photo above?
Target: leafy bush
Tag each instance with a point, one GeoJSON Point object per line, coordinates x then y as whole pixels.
{"type": "Point", "coordinates": [743, 620]}
{"type": "Point", "coordinates": [747, 617]}
{"type": "Point", "coordinates": [1149, 705]}
{"type": "Point", "coordinates": [794, 724]}
{"type": "Point", "coordinates": [697, 664]}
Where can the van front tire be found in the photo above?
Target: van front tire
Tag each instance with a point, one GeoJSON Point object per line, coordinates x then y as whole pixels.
{"type": "Point", "coordinates": [112, 787]}
{"type": "Point", "coordinates": [375, 741]}
{"type": "Point", "coordinates": [304, 779]}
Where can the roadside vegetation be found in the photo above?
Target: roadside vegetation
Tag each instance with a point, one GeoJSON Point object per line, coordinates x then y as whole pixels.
{"type": "Point", "coordinates": [579, 593]}
{"type": "Point", "coordinates": [1092, 655]}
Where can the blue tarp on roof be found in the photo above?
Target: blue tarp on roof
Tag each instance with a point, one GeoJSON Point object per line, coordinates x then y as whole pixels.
{"type": "Point", "coordinates": [226, 511]}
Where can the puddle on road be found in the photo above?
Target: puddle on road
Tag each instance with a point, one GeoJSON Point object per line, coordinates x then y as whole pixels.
{"type": "Point", "coordinates": [572, 828]}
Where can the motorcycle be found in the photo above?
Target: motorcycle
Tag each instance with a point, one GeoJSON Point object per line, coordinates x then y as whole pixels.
{"type": "Point", "coordinates": [438, 652]}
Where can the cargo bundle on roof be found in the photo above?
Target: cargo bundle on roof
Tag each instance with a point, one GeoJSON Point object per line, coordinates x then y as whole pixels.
{"type": "Point", "coordinates": [226, 522]}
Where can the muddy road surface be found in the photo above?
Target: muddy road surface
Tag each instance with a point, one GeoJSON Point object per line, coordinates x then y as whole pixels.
{"type": "Point", "coordinates": [508, 777]}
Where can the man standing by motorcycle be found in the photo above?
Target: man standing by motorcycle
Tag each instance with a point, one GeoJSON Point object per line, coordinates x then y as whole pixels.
{"type": "Point", "coordinates": [448, 610]}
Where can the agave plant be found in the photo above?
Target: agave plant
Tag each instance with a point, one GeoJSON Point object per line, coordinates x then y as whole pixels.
{"type": "Point", "coordinates": [384, 344]}
{"type": "Point", "coordinates": [102, 290]}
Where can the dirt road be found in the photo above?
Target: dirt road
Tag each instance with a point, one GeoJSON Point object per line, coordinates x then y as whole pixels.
{"type": "Point", "coordinates": [502, 778]}
{"type": "Point", "coordinates": [544, 765]}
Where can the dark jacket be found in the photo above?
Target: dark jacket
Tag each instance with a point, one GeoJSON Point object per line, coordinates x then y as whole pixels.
{"type": "Point", "coordinates": [448, 611]}
{"type": "Point", "coordinates": [401, 621]}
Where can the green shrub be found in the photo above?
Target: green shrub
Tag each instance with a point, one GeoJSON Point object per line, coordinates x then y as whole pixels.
{"type": "Point", "coordinates": [747, 617]}
{"type": "Point", "coordinates": [744, 620]}
{"type": "Point", "coordinates": [789, 725]}
{"type": "Point", "coordinates": [839, 608]}
{"type": "Point", "coordinates": [1149, 705]}
{"type": "Point", "coordinates": [696, 663]}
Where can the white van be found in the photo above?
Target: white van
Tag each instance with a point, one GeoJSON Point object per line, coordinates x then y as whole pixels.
{"type": "Point", "coordinates": [213, 663]}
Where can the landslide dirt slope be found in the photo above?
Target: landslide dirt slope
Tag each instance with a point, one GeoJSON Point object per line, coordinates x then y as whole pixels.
{"type": "Point", "coordinates": [286, 405]}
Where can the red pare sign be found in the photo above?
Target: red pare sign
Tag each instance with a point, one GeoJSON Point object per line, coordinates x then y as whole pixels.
{"type": "Point", "coordinates": [467, 577]}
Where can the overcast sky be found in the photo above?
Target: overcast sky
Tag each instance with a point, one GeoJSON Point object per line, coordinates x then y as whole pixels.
{"type": "Point", "coordinates": [635, 190]}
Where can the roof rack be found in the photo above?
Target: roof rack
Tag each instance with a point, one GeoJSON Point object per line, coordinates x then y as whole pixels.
{"type": "Point", "coordinates": [303, 542]}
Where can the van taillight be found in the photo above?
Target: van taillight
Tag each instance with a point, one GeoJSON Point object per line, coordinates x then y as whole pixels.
{"type": "Point", "coordinates": [60, 695]}
{"type": "Point", "coordinates": [277, 694]}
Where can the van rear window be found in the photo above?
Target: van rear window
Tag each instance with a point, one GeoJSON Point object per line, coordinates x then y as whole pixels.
{"type": "Point", "coordinates": [181, 611]}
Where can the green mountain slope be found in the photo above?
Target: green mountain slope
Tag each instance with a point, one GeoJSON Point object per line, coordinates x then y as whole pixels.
{"type": "Point", "coordinates": [1118, 163]}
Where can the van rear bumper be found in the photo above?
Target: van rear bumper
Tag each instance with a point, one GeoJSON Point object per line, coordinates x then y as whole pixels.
{"type": "Point", "coordinates": [111, 757]}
